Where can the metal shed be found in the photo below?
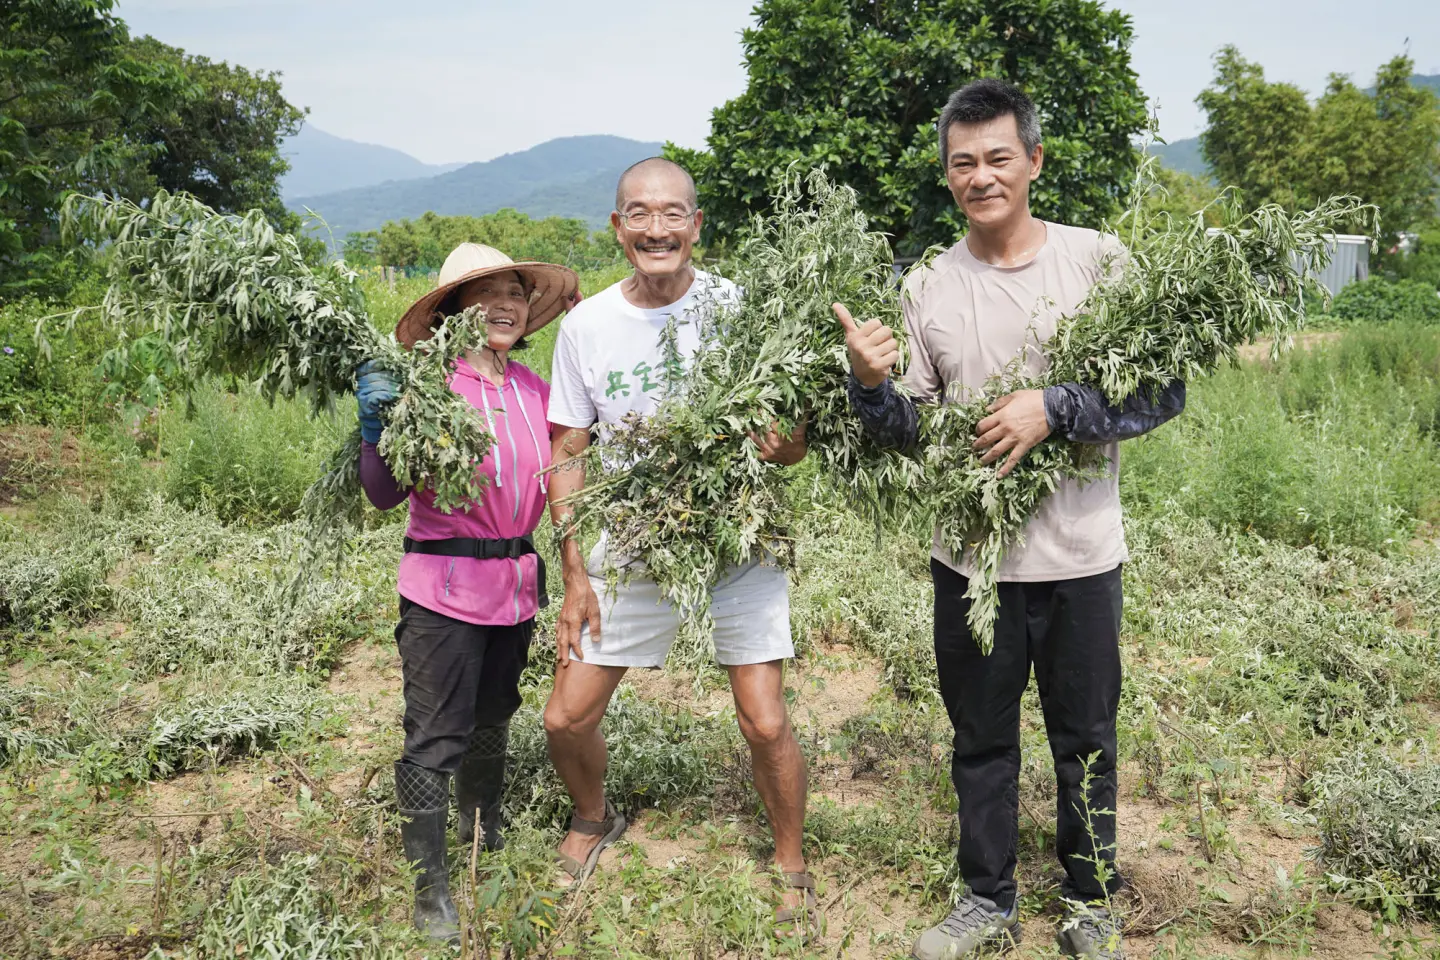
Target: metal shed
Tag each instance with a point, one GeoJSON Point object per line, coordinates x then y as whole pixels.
{"type": "Point", "coordinates": [1349, 261]}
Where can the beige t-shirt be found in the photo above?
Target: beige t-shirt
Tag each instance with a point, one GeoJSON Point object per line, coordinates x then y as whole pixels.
{"type": "Point", "coordinates": [966, 320]}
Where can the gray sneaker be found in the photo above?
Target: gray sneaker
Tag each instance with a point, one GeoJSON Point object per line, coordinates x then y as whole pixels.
{"type": "Point", "coordinates": [974, 923]}
{"type": "Point", "coordinates": [1090, 932]}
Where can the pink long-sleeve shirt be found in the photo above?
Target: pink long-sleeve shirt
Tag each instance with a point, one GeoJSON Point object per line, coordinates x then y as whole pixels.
{"type": "Point", "coordinates": [487, 592]}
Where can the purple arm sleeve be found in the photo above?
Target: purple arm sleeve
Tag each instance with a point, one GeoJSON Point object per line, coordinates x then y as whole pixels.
{"type": "Point", "coordinates": [380, 486]}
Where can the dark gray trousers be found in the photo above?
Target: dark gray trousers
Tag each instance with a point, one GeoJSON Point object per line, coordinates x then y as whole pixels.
{"type": "Point", "coordinates": [457, 676]}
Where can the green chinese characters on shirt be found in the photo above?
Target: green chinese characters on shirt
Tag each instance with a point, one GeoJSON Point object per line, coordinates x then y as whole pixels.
{"type": "Point", "coordinates": [642, 380]}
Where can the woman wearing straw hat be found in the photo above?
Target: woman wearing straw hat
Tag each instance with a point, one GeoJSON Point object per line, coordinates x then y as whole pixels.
{"type": "Point", "coordinates": [470, 581]}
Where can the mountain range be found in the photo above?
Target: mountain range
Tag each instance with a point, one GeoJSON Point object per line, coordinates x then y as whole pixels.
{"type": "Point", "coordinates": [358, 186]}
{"type": "Point", "coordinates": [321, 163]}
{"type": "Point", "coordinates": [566, 177]}
{"type": "Point", "coordinates": [1184, 155]}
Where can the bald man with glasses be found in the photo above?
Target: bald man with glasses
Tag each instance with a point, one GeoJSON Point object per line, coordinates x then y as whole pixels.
{"type": "Point", "coordinates": [610, 363]}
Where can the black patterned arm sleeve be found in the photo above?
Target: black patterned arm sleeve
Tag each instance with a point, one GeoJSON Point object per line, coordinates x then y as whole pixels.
{"type": "Point", "coordinates": [1080, 413]}
{"type": "Point", "coordinates": [889, 417]}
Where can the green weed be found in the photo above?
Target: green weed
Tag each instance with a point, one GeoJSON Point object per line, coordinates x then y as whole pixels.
{"type": "Point", "coordinates": [289, 911]}
{"type": "Point", "coordinates": [1380, 831]}
{"type": "Point", "coordinates": [1294, 454]}
{"type": "Point", "coordinates": [243, 457]}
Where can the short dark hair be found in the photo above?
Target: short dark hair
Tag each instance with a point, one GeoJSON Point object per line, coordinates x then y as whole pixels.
{"type": "Point", "coordinates": [984, 100]}
{"type": "Point", "coordinates": [662, 162]}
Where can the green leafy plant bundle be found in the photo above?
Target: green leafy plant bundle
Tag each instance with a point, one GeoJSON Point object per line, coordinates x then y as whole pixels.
{"type": "Point", "coordinates": [1176, 307]}
{"type": "Point", "coordinates": [231, 295]}
{"type": "Point", "coordinates": [692, 498]}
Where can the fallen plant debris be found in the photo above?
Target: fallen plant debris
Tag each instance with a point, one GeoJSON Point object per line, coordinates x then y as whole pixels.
{"type": "Point", "coordinates": [1380, 831]}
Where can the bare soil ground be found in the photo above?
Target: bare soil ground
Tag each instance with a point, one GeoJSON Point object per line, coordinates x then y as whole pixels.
{"type": "Point", "coordinates": [869, 914]}
{"type": "Point", "coordinates": [1260, 349]}
{"type": "Point", "coordinates": [32, 457]}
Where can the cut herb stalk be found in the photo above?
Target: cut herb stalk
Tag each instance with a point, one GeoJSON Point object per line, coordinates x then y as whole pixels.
{"type": "Point", "coordinates": [229, 295]}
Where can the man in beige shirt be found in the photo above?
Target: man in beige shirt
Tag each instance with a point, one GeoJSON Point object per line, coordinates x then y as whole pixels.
{"type": "Point", "coordinates": [998, 294]}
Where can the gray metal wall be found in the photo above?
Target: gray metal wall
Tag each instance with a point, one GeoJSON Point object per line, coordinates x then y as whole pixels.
{"type": "Point", "coordinates": [1349, 261]}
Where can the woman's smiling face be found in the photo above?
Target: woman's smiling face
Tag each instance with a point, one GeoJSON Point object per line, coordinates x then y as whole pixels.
{"type": "Point", "coordinates": [506, 303]}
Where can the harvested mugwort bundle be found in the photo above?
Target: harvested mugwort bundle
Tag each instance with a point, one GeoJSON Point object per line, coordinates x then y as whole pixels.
{"type": "Point", "coordinates": [220, 294]}
{"type": "Point", "coordinates": [691, 497]}
{"type": "Point", "coordinates": [1176, 307]}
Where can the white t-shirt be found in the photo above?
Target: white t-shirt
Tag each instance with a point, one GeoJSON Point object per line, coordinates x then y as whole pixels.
{"type": "Point", "coordinates": [609, 361]}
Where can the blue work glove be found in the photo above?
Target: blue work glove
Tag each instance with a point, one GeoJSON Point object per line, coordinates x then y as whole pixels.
{"type": "Point", "coordinates": [374, 390]}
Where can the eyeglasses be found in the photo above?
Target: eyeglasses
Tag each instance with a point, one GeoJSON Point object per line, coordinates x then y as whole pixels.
{"type": "Point", "coordinates": [670, 221]}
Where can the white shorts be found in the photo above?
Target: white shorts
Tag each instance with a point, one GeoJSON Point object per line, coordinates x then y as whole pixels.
{"type": "Point", "coordinates": [750, 607]}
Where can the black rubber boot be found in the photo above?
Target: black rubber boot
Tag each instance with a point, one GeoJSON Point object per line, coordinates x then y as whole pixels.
{"type": "Point", "coordinates": [423, 797]}
{"type": "Point", "coordinates": [480, 784]}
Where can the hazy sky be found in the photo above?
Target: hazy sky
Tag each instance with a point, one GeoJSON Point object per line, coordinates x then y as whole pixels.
{"type": "Point", "coordinates": [448, 80]}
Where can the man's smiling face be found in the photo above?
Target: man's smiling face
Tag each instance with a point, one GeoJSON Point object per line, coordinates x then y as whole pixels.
{"type": "Point", "coordinates": [989, 170]}
{"type": "Point", "coordinates": [657, 250]}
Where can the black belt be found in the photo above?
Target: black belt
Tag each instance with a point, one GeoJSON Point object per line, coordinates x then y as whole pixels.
{"type": "Point", "coordinates": [512, 548]}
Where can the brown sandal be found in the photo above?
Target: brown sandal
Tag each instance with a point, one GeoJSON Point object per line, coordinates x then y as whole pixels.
{"type": "Point", "coordinates": [808, 915]}
{"type": "Point", "coordinates": [608, 830]}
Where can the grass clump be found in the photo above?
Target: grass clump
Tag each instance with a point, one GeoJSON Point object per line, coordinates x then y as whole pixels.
{"type": "Point", "coordinates": [46, 577]}
{"type": "Point", "coordinates": [1381, 301]}
{"type": "Point", "coordinates": [109, 735]}
{"type": "Point", "coordinates": [287, 911]}
{"type": "Point", "coordinates": [1379, 825]}
{"type": "Point", "coordinates": [1292, 452]}
{"type": "Point", "coordinates": [243, 457]}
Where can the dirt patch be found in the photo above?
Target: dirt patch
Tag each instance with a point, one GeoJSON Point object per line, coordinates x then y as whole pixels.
{"type": "Point", "coordinates": [834, 687]}
{"type": "Point", "coordinates": [675, 687]}
{"type": "Point", "coordinates": [662, 853]}
{"type": "Point", "coordinates": [33, 459]}
{"type": "Point", "coordinates": [1260, 349]}
{"type": "Point", "coordinates": [117, 948]}
{"type": "Point", "coordinates": [368, 674]}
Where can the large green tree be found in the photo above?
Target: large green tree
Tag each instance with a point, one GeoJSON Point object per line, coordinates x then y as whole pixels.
{"type": "Point", "coordinates": [71, 94]}
{"type": "Point", "coordinates": [220, 141]}
{"type": "Point", "coordinates": [1269, 141]}
{"type": "Point", "coordinates": [84, 107]}
{"type": "Point", "coordinates": [856, 86]}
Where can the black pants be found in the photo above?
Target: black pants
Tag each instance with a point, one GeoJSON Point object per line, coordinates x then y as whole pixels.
{"type": "Point", "coordinates": [1070, 631]}
{"type": "Point", "coordinates": [457, 676]}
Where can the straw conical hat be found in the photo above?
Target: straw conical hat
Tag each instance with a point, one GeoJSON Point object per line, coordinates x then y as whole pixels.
{"type": "Point", "coordinates": [551, 289]}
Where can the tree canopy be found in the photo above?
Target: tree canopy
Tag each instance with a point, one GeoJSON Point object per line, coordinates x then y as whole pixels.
{"type": "Point", "coordinates": [426, 241]}
{"type": "Point", "coordinates": [856, 86]}
{"type": "Point", "coordinates": [1268, 140]}
{"type": "Point", "coordinates": [84, 107]}
{"type": "Point", "coordinates": [220, 141]}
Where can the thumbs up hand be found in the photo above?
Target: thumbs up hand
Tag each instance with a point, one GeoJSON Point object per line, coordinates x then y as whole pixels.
{"type": "Point", "coordinates": [873, 350]}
